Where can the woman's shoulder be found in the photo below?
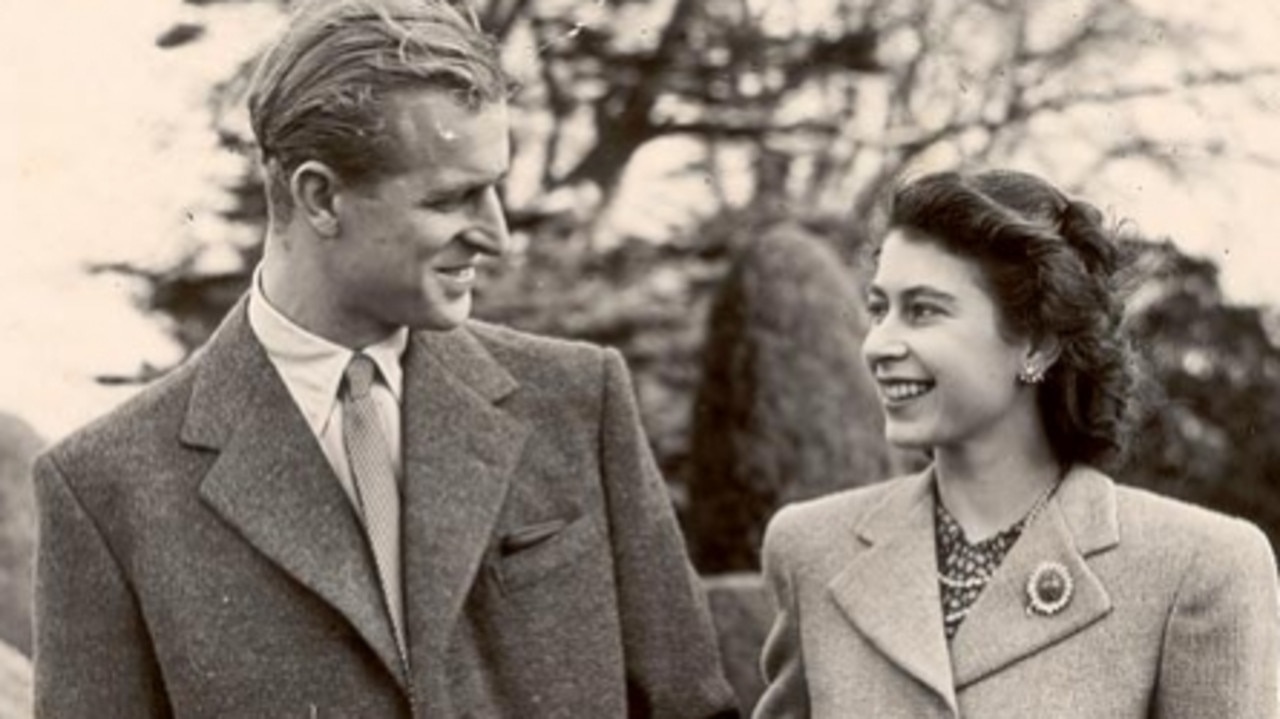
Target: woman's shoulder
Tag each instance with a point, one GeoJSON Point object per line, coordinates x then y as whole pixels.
{"type": "Point", "coordinates": [842, 505]}
{"type": "Point", "coordinates": [1145, 509]}
{"type": "Point", "coordinates": [1207, 536]}
{"type": "Point", "coordinates": [803, 523]}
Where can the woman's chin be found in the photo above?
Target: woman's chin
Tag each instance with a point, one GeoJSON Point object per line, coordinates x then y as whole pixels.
{"type": "Point", "coordinates": [907, 438]}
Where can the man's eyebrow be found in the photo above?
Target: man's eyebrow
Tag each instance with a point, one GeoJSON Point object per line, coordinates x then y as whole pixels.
{"type": "Point", "coordinates": [467, 185]}
{"type": "Point", "coordinates": [461, 188]}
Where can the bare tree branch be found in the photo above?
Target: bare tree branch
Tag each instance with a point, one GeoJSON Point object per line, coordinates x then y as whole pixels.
{"type": "Point", "coordinates": [1116, 95]}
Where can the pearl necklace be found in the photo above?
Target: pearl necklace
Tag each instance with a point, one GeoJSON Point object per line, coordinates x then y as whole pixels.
{"type": "Point", "coordinates": [979, 581]}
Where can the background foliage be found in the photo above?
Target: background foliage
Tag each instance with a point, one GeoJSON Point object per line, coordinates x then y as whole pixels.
{"type": "Point", "coordinates": [18, 447]}
{"type": "Point", "coordinates": [780, 126]}
{"type": "Point", "coordinates": [785, 410]}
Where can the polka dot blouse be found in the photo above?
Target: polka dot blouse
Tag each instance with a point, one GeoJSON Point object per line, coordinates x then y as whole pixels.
{"type": "Point", "coordinates": [964, 568]}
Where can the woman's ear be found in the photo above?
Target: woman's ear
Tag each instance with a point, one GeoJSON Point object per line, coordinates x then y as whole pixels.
{"type": "Point", "coordinates": [1042, 354]}
{"type": "Point", "coordinates": [314, 186]}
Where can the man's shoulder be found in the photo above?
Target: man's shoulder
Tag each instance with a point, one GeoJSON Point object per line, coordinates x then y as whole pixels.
{"type": "Point", "coordinates": [154, 414]}
{"type": "Point", "coordinates": [538, 358]}
{"type": "Point", "coordinates": [512, 342]}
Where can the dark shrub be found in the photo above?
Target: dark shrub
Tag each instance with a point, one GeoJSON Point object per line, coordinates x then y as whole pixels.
{"type": "Point", "coordinates": [785, 409]}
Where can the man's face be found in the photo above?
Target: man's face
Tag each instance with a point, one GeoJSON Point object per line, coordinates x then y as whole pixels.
{"type": "Point", "coordinates": [407, 244]}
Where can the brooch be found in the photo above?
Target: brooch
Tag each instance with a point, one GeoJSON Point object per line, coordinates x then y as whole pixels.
{"type": "Point", "coordinates": [1048, 589]}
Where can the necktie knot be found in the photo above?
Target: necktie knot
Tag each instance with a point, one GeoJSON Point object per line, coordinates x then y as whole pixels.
{"type": "Point", "coordinates": [359, 375]}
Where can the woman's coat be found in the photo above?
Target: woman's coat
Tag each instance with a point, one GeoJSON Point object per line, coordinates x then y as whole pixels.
{"type": "Point", "coordinates": [1173, 612]}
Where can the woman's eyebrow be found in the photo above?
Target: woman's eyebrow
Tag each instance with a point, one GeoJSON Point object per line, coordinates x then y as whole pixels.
{"type": "Point", "coordinates": [913, 292]}
{"type": "Point", "coordinates": [926, 292]}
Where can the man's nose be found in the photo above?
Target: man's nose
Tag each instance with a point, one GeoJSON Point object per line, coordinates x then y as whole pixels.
{"type": "Point", "coordinates": [489, 234]}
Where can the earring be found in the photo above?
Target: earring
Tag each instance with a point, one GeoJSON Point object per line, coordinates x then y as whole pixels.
{"type": "Point", "coordinates": [1031, 375]}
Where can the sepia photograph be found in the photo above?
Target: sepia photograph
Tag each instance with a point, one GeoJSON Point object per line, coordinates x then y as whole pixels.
{"type": "Point", "coordinates": [640, 358]}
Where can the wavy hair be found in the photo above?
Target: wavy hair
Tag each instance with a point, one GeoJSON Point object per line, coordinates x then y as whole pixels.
{"type": "Point", "coordinates": [319, 93]}
{"type": "Point", "coordinates": [1052, 269]}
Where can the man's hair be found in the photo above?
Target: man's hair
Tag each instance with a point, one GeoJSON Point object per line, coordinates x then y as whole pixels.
{"type": "Point", "coordinates": [1051, 268]}
{"type": "Point", "coordinates": [321, 90]}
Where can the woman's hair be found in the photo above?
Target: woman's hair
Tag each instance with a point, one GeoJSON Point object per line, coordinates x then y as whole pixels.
{"type": "Point", "coordinates": [320, 91]}
{"type": "Point", "coordinates": [1051, 269]}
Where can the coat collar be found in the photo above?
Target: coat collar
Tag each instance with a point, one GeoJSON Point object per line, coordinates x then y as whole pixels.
{"type": "Point", "coordinates": [1080, 522]}
{"type": "Point", "coordinates": [272, 483]}
{"type": "Point", "coordinates": [889, 590]}
{"type": "Point", "coordinates": [460, 451]}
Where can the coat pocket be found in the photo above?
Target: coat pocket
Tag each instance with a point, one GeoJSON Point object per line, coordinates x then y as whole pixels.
{"type": "Point", "coordinates": [530, 553]}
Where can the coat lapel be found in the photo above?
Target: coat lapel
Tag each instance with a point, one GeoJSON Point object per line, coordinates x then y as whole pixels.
{"type": "Point", "coordinates": [890, 590]}
{"type": "Point", "coordinates": [460, 449]}
{"type": "Point", "coordinates": [272, 483]}
{"type": "Point", "coordinates": [1079, 522]}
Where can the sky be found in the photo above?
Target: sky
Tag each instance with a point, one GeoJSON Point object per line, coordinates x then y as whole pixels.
{"type": "Point", "coordinates": [99, 128]}
{"type": "Point", "coordinates": [94, 172]}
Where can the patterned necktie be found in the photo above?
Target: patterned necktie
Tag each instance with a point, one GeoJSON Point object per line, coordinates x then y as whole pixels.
{"type": "Point", "coordinates": [376, 487]}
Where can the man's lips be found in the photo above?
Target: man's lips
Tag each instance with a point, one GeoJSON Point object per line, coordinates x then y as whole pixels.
{"type": "Point", "coordinates": [458, 273]}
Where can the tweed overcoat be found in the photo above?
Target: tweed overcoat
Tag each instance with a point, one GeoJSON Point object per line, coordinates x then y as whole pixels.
{"type": "Point", "coordinates": [1173, 612]}
{"type": "Point", "coordinates": [198, 557]}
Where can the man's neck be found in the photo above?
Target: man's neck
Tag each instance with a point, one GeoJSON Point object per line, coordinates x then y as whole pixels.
{"type": "Point", "coordinates": [294, 291]}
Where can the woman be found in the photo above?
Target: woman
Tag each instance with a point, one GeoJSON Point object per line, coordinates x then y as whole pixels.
{"type": "Point", "coordinates": [1011, 578]}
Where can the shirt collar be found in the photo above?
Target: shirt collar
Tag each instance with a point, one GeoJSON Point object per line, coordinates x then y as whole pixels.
{"type": "Point", "coordinates": [311, 365]}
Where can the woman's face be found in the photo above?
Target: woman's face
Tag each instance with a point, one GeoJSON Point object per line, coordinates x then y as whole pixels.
{"type": "Point", "coordinates": [946, 375]}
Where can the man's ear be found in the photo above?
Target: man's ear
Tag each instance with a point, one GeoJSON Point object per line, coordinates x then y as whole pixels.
{"type": "Point", "coordinates": [314, 186]}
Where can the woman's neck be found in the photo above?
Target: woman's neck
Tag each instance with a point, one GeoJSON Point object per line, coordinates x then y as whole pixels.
{"type": "Point", "coordinates": [988, 489]}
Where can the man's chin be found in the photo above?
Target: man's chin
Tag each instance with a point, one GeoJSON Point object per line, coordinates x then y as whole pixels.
{"type": "Point", "coordinates": [437, 326]}
{"type": "Point", "coordinates": [442, 319]}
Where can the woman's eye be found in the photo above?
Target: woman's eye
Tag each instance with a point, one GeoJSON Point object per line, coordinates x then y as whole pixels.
{"type": "Point", "coordinates": [922, 311]}
{"type": "Point", "coordinates": [877, 310]}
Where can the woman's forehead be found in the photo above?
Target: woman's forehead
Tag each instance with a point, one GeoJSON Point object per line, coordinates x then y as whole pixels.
{"type": "Point", "coordinates": [911, 259]}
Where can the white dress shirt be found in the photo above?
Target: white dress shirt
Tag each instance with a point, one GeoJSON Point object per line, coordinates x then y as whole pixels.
{"type": "Point", "coordinates": [312, 368]}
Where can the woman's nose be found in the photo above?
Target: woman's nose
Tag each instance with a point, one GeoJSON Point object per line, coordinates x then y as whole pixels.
{"type": "Point", "coordinates": [883, 342]}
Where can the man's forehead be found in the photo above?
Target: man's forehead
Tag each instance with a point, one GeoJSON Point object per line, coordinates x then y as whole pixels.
{"type": "Point", "coordinates": [443, 144]}
{"type": "Point", "coordinates": [441, 113]}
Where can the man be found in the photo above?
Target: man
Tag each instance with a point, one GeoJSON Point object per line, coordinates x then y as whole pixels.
{"type": "Point", "coordinates": [353, 502]}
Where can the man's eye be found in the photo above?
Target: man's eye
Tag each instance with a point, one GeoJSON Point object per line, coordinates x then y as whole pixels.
{"type": "Point", "coordinates": [444, 204]}
{"type": "Point", "coordinates": [457, 201]}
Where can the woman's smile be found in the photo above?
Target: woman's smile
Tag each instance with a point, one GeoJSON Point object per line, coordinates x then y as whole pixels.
{"type": "Point", "coordinates": [898, 392]}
